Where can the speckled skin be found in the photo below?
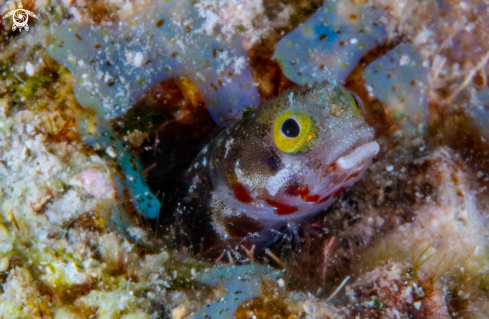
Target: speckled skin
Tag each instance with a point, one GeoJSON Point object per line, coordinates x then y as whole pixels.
{"type": "Point", "coordinates": [247, 188]}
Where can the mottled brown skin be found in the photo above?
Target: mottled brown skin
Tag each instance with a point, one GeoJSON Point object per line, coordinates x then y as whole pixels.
{"type": "Point", "coordinates": [244, 187]}
{"type": "Point", "coordinates": [197, 214]}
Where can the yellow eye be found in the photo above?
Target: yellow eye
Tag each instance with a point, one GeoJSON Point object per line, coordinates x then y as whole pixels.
{"type": "Point", "coordinates": [294, 132]}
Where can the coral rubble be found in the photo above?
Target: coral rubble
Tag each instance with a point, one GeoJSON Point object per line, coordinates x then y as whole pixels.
{"type": "Point", "coordinates": [409, 240]}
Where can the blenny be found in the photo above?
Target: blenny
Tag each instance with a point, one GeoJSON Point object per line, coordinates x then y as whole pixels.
{"type": "Point", "coordinates": [280, 164]}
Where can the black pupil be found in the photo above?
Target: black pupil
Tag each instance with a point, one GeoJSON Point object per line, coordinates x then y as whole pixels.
{"type": "Point", "coordinates": [290, 128]}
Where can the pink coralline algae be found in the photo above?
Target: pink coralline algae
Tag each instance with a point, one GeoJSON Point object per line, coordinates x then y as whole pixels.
{"type": "Point", "coordinates": [96, 183]}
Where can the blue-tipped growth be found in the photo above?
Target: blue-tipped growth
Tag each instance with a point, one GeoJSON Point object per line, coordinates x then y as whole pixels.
{"type": "Point", "coordinates": [97, 133]}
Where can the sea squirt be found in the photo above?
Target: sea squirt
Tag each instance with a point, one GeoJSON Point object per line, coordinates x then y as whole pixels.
{"type": "Point", "coordinates": [97, 133]}
{"type": "Point", "coordinates": [401, 81]}
{"type": "Point", "coordinates": [330, 44]}
{"type": "Point", "coordinates": [114, 64]}
{"type": "Point", "coordinates": [280, 164]}
{"type": "Point", "coordinates": [240, 282]}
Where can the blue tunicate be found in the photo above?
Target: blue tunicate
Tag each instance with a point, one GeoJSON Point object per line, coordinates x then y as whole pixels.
{"type": "Point", "coordinates": [97, 133]}
{"type": "Point", "coordinates": [330, 44]}
{"type": "Point", "coordinates": [241, 283]}
{"type": "Point", "coordinates": [119, 218]}
{"type": "Point", "coordinates": [400, 81]}
{"type": "Point", "coordinates": [114, 65]}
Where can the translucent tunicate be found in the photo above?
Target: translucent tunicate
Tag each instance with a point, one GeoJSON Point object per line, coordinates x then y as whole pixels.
{"type": "Point", "coordinates": [329, 45]}
{"type": "Point", "coordinates": [400, 81]}
{"type": "Point", "coordinates": [113, 65]}
{"type": "Point", "coordinates": [241, 283]}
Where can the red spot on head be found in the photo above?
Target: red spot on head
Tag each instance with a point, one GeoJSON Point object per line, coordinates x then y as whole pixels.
{"type": "Point", "coordinates": [335, 194]}
{"type": "Point", "coordinates": [352, 176]}
{"type": "Point", "coordinates": [338, 192]}
{"type": "Point", "coordinates": [281, 209]}
{"type": "Point", "coordinates": [324, 199]}
{"type": "Point", "coordinates": [312, 198]}
{"type": "Point", "coordinates": [242, 194]}
{"type": "Point", "coordinates": [295, 190]}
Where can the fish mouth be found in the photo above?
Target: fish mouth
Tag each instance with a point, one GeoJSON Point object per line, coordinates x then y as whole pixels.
{"type": "Point", "coordinates": [353, 157]}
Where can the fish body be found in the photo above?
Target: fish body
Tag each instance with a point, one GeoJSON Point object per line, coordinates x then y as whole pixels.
{"type": "Point", "coordinates": [281, 163]}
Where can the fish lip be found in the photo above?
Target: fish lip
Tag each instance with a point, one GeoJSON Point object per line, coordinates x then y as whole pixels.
{"type": "Point", "coordinates": [357, 154]}
{"type": "Point", "coordinates": [358, 142]}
